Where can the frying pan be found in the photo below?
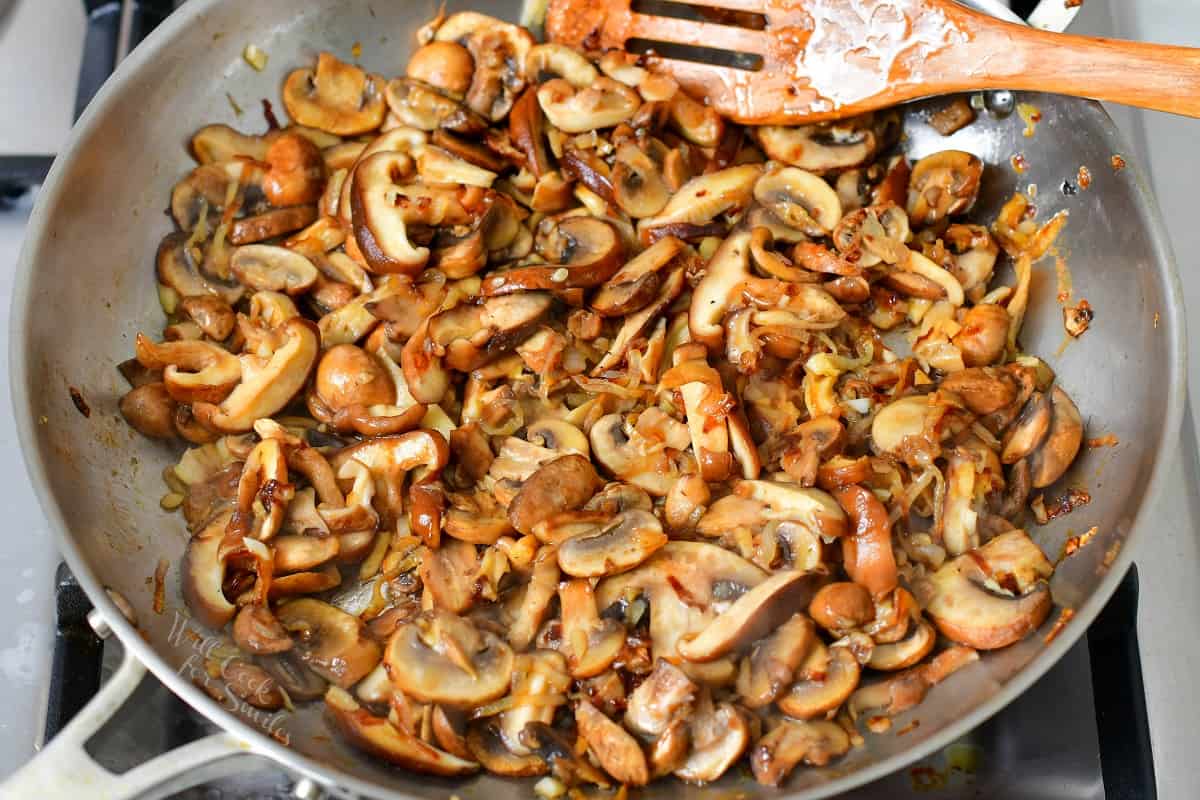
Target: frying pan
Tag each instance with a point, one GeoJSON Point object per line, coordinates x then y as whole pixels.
{"type": "Point", "coordinates": [85, 287]}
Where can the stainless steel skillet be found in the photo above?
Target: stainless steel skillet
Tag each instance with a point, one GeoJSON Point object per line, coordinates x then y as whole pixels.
{"type": "Point", "coordinates": [85, 287]}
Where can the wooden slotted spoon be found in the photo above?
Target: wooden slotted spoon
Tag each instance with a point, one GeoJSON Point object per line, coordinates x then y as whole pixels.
{"type": "Point", "coordinates": [801, 61]}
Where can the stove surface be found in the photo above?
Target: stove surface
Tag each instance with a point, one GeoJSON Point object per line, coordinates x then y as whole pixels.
{"type": "Point", "coordinates": [1045, 745]}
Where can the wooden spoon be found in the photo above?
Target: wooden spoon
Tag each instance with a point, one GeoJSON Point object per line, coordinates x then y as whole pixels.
{"type": "Point", "coordinates": [827, 59]}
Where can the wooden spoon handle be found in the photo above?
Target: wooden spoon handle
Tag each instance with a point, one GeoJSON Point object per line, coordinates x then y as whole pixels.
{"type": "Point", "coordinates": [1153, 76]}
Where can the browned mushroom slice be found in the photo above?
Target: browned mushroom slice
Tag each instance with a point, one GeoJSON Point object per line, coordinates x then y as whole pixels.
{"type": "Point", "coordinates": [212, 314]}
{"type": "Point", "coordinates": [540, 684]}
{"type": "Point", "coordinates": [752, 616]}
{"type": "Point", "coordinates": [270, 224]}
{"type": "Point", "coordinates": [223, 143]}
{"type": "Point", "coordinates": [632, 457]}
{"type": "Point", "coordinates": [906, 652]}
{"type": "Point", "coordinates": [393, 743]}
{"type": "Point", "coordinates": [826, 678]}
{"type": "Point", "coordinates": [769, 668]}
{"type": "Point", "coordinates": [800, 199]}
{"type": "Point", "coordinates": [338, 98]}
{"type": "Point", "coordinates": [440, 658]}
{"type": "Point", "coordinates": [840, 607]}
{"type": "Point", "coordinates": [257, 631]}
{"type": "Point", "coordinates": [638, 186]}
{"type": "Point", "coordinates": [445, 65]}
{"type": "Point", "coordinates": [618, 752]}
{"type": "Point", "coordinates": [636, 324]}
{"type": "Point", "coordinates": [1050, 461]}
{"type": "Point", "coordinates": [1029, 430]}
{"type": "Point", "coordinates": [583, 252]}
{"type": "Point", "coordinates": [816, 440]}
{"type": "Point", "coordinates": [720, 736]}
{"type": "Point", "coordinates": [665, 696]}
{"type": "Point", "coordinates": [206, 189]}
{"type": "Point", "coordinates": [193, 371]}
{"type": "Point", "coordinates": [602, 104]}
{"type": "Point", "coordinates": [670, 750]}
{"type": "Point", "coordinates": [499, 50]}
{"type": "Point", "coordinates": [488, 748]}
{"type": "Point", "coordinates": [420, 106]}
{"type": "Point", "coordinates": [637, 283]}
{"type": "Point", "coordinates": [993, 596]}
{"type": "Point", "coordinates": [984, 334]}
{"type": "Point", "coordinates": [150, 409]}
{"type": "Point", "coordinates": [446, 727]}
{"type": "Point", "coordinates": [268, 389]}
{"type": "Point", "coordinates": [389, 458]}
{"type": "Point", "coordinates": [984, 390]}
{"type": "Point", "coordinates": [811, 508]}
{"type": "Point", "coordinates": [476, 518]}
{"type": "Point", "coordinates": [264, 267]}
{"type": "Point", "coordinates": [203, 574]}
{"type": "Point", "coordinates": [294, 553]}
{"type": "Point", "coordinates": [303, 583]}
{"type": "Point", "coordinates": [722, 283]}
{"type": "Point", "coordinates": [792, 742]}
{"type": "Point", "coordinates": [252, 684]}
{"type": "Point", "coordinates": [564, 484]}
{"type": "Point", "coordinates": [296, 174]}
{"type": "Point", "coordinates": [627, 540]}
{"type": "Point", "coordinates": [329, 641]}
{"type": "Point", "coordinates": [825, 147]}
{"type": "Point", "coordinates": [943, 184]}
{"type": "Point", "coordinates": [591, 643]}
{"type": "Point", "coordinates": [703, 198]}
{"type": "Point", "coordinates": [534, 601]}
{"type": "Point", "coordinates": [300, 683]}
{"type": "Point", "coordinates": [450, 573]}
{"type": "Point", "coordinates": [379, 209]}
{"type": "Point", "coordinates": [587, 167]}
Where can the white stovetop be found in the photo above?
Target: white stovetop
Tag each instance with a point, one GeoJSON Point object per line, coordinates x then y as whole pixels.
{"type": "Point", "coordinates": [1169, 557]}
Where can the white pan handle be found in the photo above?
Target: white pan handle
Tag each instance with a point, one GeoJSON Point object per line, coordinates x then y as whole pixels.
{"type": "Point", "coordinates": [63, 770]}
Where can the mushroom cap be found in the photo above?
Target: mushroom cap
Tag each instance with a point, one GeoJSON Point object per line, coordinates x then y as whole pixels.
{"type": "Point", "coordinates": [631, 456]}
{"type": "Point", "coordinates": [841, 606]}
{"type": "Point", "coordinates": [444, 65]}
{"type": "Point", "coordinates": [993, 609]}
{"type": "Point", "coordinates": [1050, 461]}
{"type": "Point", "coordinates": [811, 698]}
{"type": "Point", "coordinates": [441, 658]}
{"type": "Point", "coordinates": [824, 147]}
{"type": "Point", "coordinates": [329, 641]}
{"type": "Point", "coordinates": [558, 434]}
{"type": "Point", "coordinates": [943, 184]}
{"type": "Point", "coordinates": [626, 541]}
{"type": "Point", "coordinates": [381, 738]}
{"type": "Point", "coordinates": [753, 615]}
{"type": "Point", "coordinates": [338, 98]}
{"type": "Point", "coordinates": [564, 484]}
{"type": "Point", "coordinates": [348, 375]}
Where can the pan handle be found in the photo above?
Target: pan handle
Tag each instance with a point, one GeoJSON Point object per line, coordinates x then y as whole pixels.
{"type": "Point", "coordinates": [63, 769]}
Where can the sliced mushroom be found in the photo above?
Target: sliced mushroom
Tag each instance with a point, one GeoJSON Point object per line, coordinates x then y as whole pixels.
{"type": "Point", "coordinates": [905, 653]}
{"type": "Point", "coordinates": [203, 574]}
{"type": "Point", "coordinates": [817, 743]}
{"type": "Point", "coordinates": [561, 485]}
{"type": "Point", "coordinates": [270, 224]}
{"type": "Point", "coordinates": [664, 697]}
{"type": "Point", "coordinates": [150, 409]}
{"type": "Point", "coordinates": [444, 65]}
{"type": "Point", "coordinates": [637, 283]}
{"type": "Point", "coordinates": [393, 743]}
{"type": "Point", "coordinates": [720, 736]}
{"type": "Point", "coordinates": [540, 684]}
{"type": "Point", "coordinates": [534, 601]}
{"type": "Point", "coordinates": [705, 197]}
{"type": "Point", "coordinates": [591, 643]}
{"type": "Point", "coordinates": [800, 200]}
{"type": "Point", "coordinates": [771, 665]}
{"type": "Point", "coordinates": [300, 683]}
{"type": "Point", "coordinates": [1050, 461]}
{"type": "Point", "coordinates": [338, 98]}
{"type": "Point", "coordinates": [618, 752]}
{"type": "Point", "coordinates": [992, 596]}
{"type": "Point", "coordinates": [547, 61]}
{"type": "Point", "coordinates": [489, 749]}
{"type": "Point", "coordinates": [984, 390]}
{"type": "Point", "coordinates": [723, 280]}
{"type": "Point", "coordinates": [440, 658]}
{"type": "Point", "coordinates": [628, 540]}
{"type": "Point", "coordinates": [557, 749]}
{"type": "Point", "coordinates": [223, 143]}
{"type": "Point", "coordinates": [873, 235]}
{"type": "Point", "coordinates": [296, 173]}
{"type": "Point", "coordinates": [943, 184]}
{"type": "Point", "coordinates": [266, 390]}
{"type": "Point", "coordinates": [329, 641]}
{"type": "Point", "coordinates": [752, 616]}
{"type": "Point", "coordinates": [449, 574]}
{"type": "Point", "coordinates": [257, 631]}
{"type": "Point", "coordinates": [670, 750]}
{"type": "Point", "coordinates": [193, 371]}
{"type": "Point", "coordinates": [632, 457]}
{"type": "Point", "coordinates": [811, 508]}
{"type": "Point", "coordinates": [867, 553]}
{"type": "Point", "coordinates": [601, 104]}
{"type": "Point", "coordinates": [827, 677]}
{"type": "Point", "coordinates": [264, 267]}
{"type": "Point", "coordinates": [816, 440]}
{"type": "Point", "coordinates": [825, 147]}
{"type": "Point", "coordinates": [500, 50]}
{"type": "Point", "coordinates": [583, 252]}
{"type": "Point", "coordinates": [984, 334]}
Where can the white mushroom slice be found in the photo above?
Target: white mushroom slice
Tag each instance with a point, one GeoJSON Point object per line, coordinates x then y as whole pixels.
{"type": "Point", "coordinates": [331, 642]}
{"type": "Point", "coordinates": [193, 371]}
{"type": "Point", "coordinates": [450, 573]}
{"type": "Point", "coordinates": [356, 513]}
{"type": "Point", "coordinates": [991, 609]}
{"type": "Point", "coordinates": [547, 61]}
{"type": "Point", "coordinates": [591, 644]}
{"type": "Point", "coordinates": [900, 420]}
{"type": "Point", "coordinates": [1050, 461]}
{"type": "Point", "coordinates": [558, 435]}
{"type": "Point", "coordinates": [601, 104]}
{"type": "Point", "coordinates": [389, 459]}
{"type": "Point", "coordinates": [436, 165]}
{"type": "Point", "coordinates": [792, 742]}
{"type": "Point", "coordinates": [176, 269]}
{"type": "Point", "coordinates": [683, 582]}
{"type": "Point", "coordinates": [203, 574]}
{"type": "Point", "coordinates": [943, 184]}
{"type": "Point", "coordinates": [440, 658]}
{"type": "Point", "coordinates": [223, 143]}
{"type": "Point", "coordinates": [541, 681]}
{"type": "Point", "coordinates": [812, 508]}
{"type": "Point", "coordinates": [822, 148]}
{"type": "Point", "coordinates": [263, 492]}
{"type": "Point", "coordinates": [1029, 430]}
{"type": "Point", "coordinates": [485, 744]}
{"type": "Point", "coordinates": [535, 600]}
{"type": "Point", "coordinates": [618, 753]}
{"type": "Point", "coordinates": [960, 520]}
{"type": "Point", "coordinates": [727, 271]}
{"type": "Point", "coordinates": [628, 540]}
{"type": "Point", "coordinates": [906, 652]}
{"type": "Point", "coordinates": [338, 98]}
{"type": "Point", "coordinates": [719, 738]}
{"type": "Point", "coordinates": [390, 742]}
{"type": "Point", "coordinates": [752, 616]}
{"type": "Point", "coordinates": [696, 122]}
{"type": "Point", "coordinates": [800, 199]}
{"type": "Point", "coordinates": [632, 457]}
{"type": "Point", "coordinates": [665, 696]}
{"type": "Point", "coordinates": [264, 267]}
{"type": "Point", "coordinates": [705, 197]}
{"type": "Point", "coordinates": [834, 675]}
{"type": "Point", "coordinates": [266, 388]}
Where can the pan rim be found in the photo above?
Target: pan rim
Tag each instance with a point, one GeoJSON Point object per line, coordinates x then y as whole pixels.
{"type": "Point", "coordinates": [329, 776]}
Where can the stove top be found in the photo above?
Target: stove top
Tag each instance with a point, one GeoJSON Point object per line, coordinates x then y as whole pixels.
{"type": "Point", "coordinates": [1081, 732]}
